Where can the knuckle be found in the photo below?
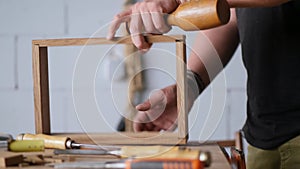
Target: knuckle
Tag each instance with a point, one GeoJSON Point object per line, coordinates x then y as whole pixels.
{"type": "Point", "coordinates": [160, 27]}
{"type": "Point", "coordinates": [139, 45]}
{"type": "Point", "coordinates": [138, 5]}
{"type": "Point", "coordinates": [150, 29]}
{"type": "Point", "coordinates": [117, 17]}
{"type": "Point", "coordinates": [153, 4]}
{"type": "Point", "coordinates": [134, 29]}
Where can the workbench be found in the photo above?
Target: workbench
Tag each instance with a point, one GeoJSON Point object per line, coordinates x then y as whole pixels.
{"type": "Point", "coordinates": [219, 160]}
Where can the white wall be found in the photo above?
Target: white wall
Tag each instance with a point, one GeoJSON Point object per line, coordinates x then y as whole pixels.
{"type": "Point", "coordinates": [23, 21]}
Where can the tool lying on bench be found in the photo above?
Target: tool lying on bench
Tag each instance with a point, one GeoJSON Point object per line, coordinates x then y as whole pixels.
{"type": "Point", "coordinates": [140, 152]}
{"type": "Point", "coordinates": [7, 141]}
{"type": "Point", "coordinates": [59, 142]}
{"type": "Point", "coordinates": [137, 157]}
{"type": "Point", "coordinates": [136, 164]}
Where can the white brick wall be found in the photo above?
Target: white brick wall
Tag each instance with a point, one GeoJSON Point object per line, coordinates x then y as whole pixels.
{"type": "Point", "coordinates": [90, 16]}
{"type": "Point", "coordinates": [23, 21]}
{"type": "Point", "coordinates": [7, 64]}
{"type": "Point", "coordinates": [16, 111]}
{"type": "Point", "coordinates": [32, 17]}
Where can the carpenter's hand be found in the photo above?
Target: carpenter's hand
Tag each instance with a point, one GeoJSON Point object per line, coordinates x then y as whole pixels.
{"type": "Point", "coordinates": [159, 112]}
{"type": "Point", "coordinates": [144, 17]}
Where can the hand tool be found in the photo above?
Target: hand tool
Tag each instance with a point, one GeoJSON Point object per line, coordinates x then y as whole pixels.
{"type": "Point", "coordinates": [7, 141]}
{"type": "Point", "coordinates": [200, 14]}
{"type": "Point", "coordinates": [59, 142]}
{"type": "Point", "coordinates": [138, 152]}
{"type": "Point", "coordinates": [144, 152]}
{"type": "Point", "coordinates": [87, 152]}
{"type": "Point", "coordinates": [136, 164]}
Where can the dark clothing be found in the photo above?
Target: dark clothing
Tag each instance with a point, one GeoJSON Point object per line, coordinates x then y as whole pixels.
{"type": "Point", "coordinates": [270, 39]}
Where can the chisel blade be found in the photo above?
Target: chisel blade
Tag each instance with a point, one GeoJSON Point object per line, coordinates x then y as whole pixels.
{"type": "Point", "coordinates": [89, 164]}
{"type": "Point", "coordinates": [94, 146]}
{"type": "Point", "coordinates": [87, 152]}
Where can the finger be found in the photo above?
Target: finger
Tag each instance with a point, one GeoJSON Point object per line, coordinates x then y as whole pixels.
{"type": "Point", "coordinates": [138, 127]}
{"type": "Point", "coordinates": [148, 23]}
{"type": "Point", "coordinates": [156, 128]}
{"type": "Point", "coordinates": [138, 122]}
{"type": "Point", "coordinates": [158, 98]}
{"type": "Point", "coordinates": [149, 127]}
{"type": "Point", "coordinates": [119, 18]}
{"type": "Point", "coordinates": [136, 27]}
{"type": "Point", "coordinates": [141, 126]}
{"type": "Point", "coordinates": [159, 22]}
{"type": "Point", "coordinates": [144, 106]}
{"type": "Point", "coordinates": [173, 126]}
{"type": "Point", "coordinates": [164, 125]}
{"type": "Point", "coordinates": [143, 51]}
{"type": "Point", "coordinates": [141, 117]}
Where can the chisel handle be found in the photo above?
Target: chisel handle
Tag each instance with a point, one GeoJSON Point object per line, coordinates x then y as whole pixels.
{"type": "Point", "coordinates": [26, 145]}
{"type": "Point", "coordinates": [200, 14]}
{"type": "Point", "coordinates": [164, 164]}
{"type": "Point", "coordinates": [55, 142]}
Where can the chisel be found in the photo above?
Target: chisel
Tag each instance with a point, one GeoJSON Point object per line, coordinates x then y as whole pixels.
{"type": "Point", "coordinates": [60, 142]}
{"type": "Point", "coordinates": [136, 164]}
{"type": "Point", "coordinates": [117, 153]}
{"type": "Point", "coordinates": [7, 141]}
{"type": "Point", "coordinates": [147, 152]}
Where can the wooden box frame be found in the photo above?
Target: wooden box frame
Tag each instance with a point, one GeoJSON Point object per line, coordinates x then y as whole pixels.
{"type": "Point", "coordinates": [42, 101]}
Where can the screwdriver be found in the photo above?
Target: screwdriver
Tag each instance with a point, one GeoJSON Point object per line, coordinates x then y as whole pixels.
{"type": "Point", "coordinates": [59, 142]}
{"type": "Point", "coordinates": [173, 163]}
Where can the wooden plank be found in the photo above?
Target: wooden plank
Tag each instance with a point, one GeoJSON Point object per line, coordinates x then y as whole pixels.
{"type": "Point", "coordinates": [41, 89]}
{"type": "Point", "coordinates": [181, 89]}
{"type": "Point", "coordinates": [122, 138]}
{"type": "Point", "coordinates": [10, 159]}
{"type": "Point", "coordinates": [99, 41]}
{"type": "Point", "coordinates": [132, 64]}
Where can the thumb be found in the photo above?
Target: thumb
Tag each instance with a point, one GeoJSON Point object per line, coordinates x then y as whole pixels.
{"type": "Point", "coordinates": [157, 97]}
{"type": "Point", "coordinates": [144, 106]}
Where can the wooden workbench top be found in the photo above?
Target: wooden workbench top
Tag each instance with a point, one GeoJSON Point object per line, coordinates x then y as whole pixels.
{"type": "Point", "coordinates": [218, 158]}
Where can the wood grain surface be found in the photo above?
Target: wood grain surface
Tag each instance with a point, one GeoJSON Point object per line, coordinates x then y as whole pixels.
{"type": "Point", "coordinates": [218, 159]}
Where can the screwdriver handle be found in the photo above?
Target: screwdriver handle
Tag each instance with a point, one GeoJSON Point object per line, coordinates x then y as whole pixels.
{"type": "Point", "coordinates": [200, 14]}
{"type": "Point", "coordinates": [55, 142]}
{"type": "Point", "coordinates": [164, 164]}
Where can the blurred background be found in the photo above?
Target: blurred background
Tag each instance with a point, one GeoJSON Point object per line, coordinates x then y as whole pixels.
{"type": "Point", "coordinates": [23, 21]}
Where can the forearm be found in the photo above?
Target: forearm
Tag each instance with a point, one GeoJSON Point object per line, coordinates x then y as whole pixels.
{"type": "Point", "coordinates": [213, 49]}
{"type": "Point", "coordinates": [255, 3]}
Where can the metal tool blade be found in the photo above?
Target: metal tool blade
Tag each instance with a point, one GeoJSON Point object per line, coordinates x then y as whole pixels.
{"type": "Point", "coordinates": [87, 152]}
{"type": "Point", "coordinates": [89, 164]}
{"type": "Point", "coordinates": [94, 146]}
{"type": "Point", "coordinates": [5, 139]}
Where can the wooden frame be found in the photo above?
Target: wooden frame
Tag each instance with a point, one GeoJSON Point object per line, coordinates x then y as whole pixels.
{"type": "Point", "coordinates": [42, 101]}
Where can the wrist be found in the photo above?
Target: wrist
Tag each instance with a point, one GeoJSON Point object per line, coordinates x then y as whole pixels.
{"type": "Point", "coordinates": [195, 86]}
{"type": "Point", "coordinates": [195, 82]}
